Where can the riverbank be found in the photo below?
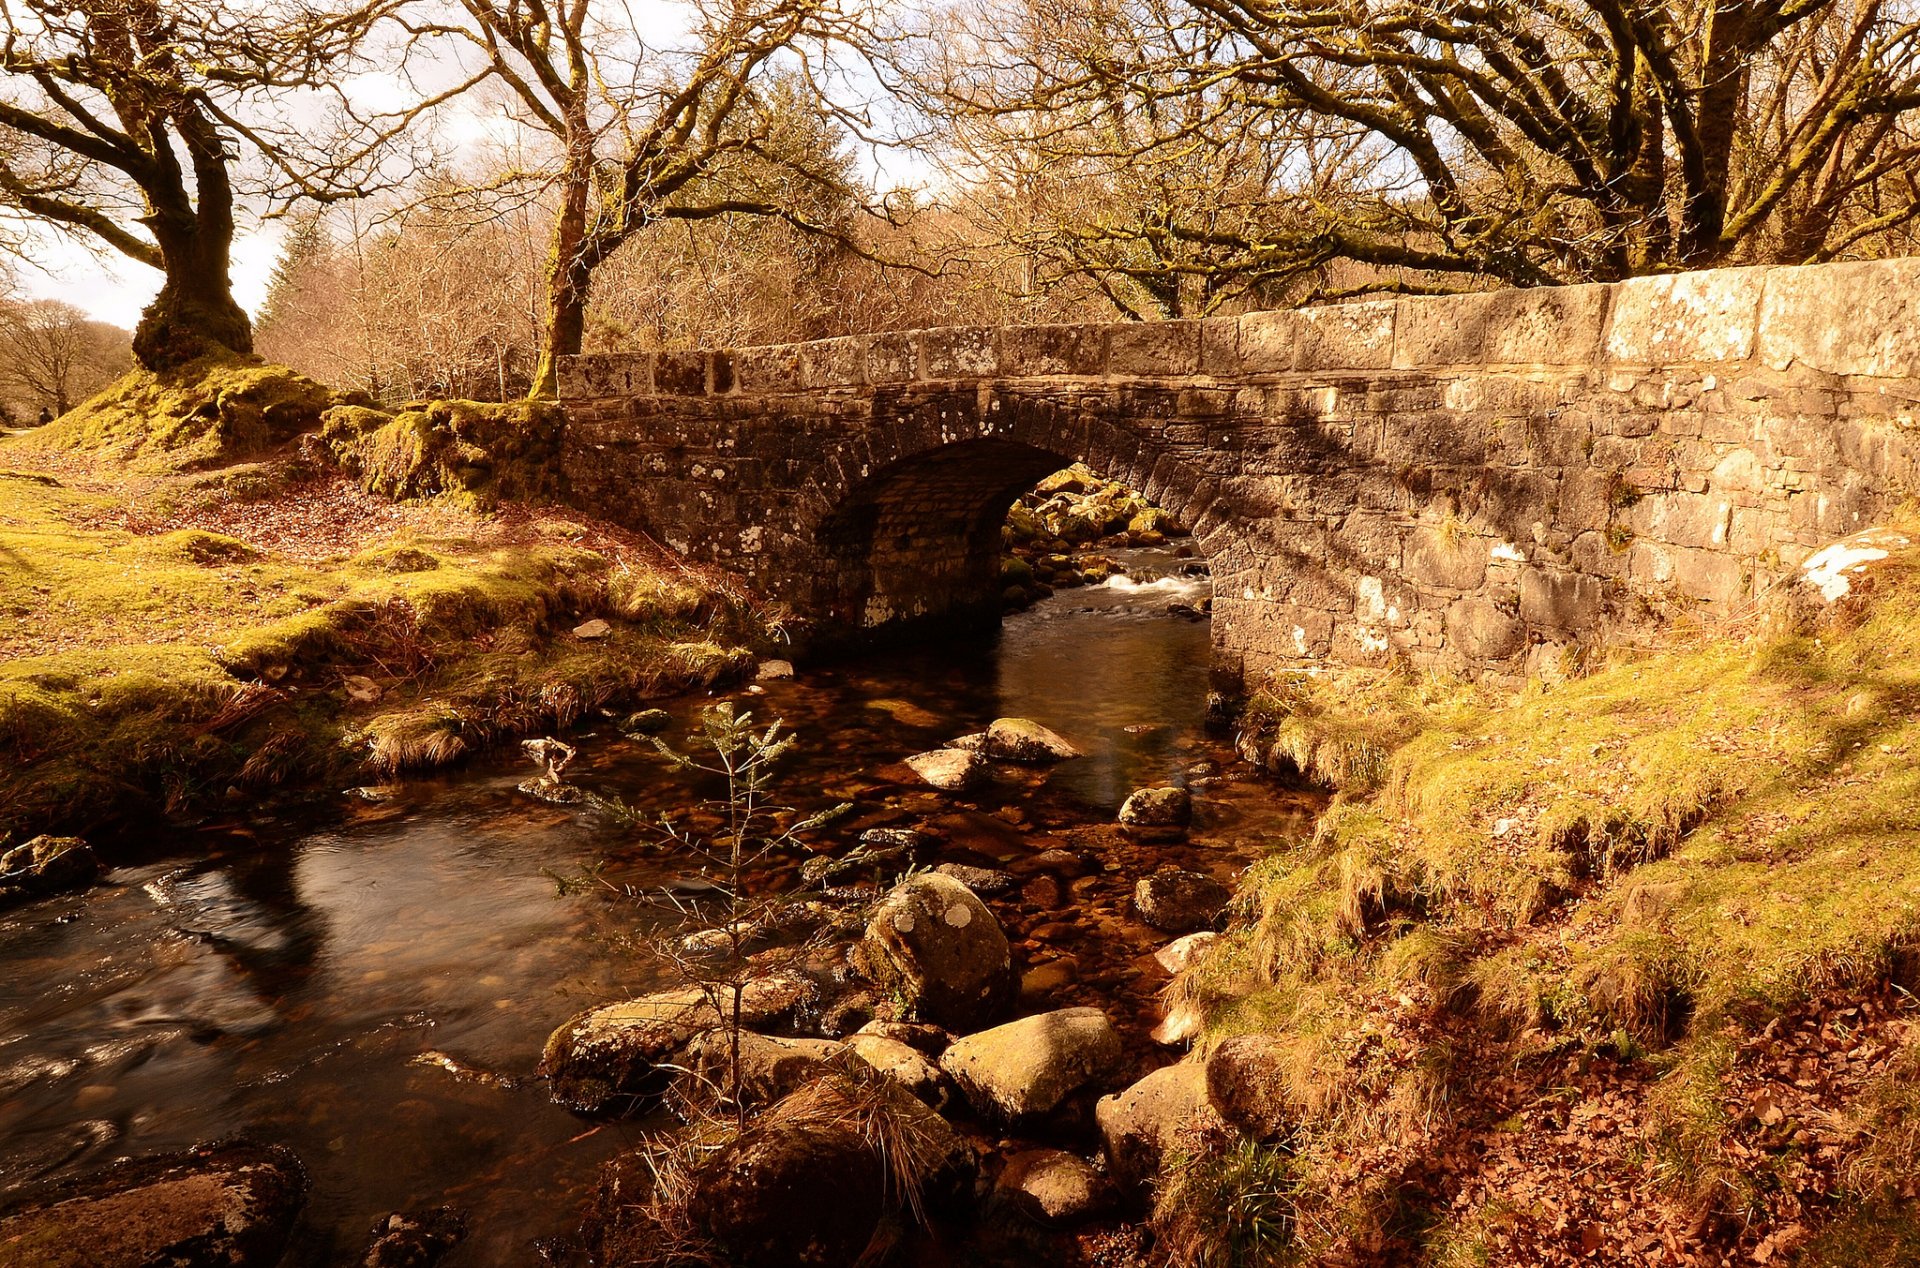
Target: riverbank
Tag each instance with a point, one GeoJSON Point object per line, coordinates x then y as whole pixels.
{"type": "Point", "coordinates": [1617, 972]}
{"type": "Point", "coordinates": [228, 580]}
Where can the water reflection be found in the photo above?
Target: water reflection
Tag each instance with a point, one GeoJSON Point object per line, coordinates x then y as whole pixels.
{"type": "Point", "coordinates": [282, 980]}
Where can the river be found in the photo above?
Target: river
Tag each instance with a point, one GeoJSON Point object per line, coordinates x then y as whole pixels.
{"type": "Point", "coordinates": [370, 981]}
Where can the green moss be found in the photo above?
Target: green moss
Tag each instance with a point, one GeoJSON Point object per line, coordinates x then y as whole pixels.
{"type": "Point", "coordinates": [1339, 729]}
{"type": "Point", "coordinates": [206, 413]}
{"type": "Point", "coordinates": [1652, 862]}
{"type": "Point", "coordinates": [194, 663]}
{"type": "Point", "coordinates": [471, 453]}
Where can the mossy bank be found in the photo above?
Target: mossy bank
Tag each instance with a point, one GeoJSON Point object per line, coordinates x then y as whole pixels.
{"type": "Point", "coordinates": [226, 579]}
{"type": "Point", "coordinates": [1611, 972]}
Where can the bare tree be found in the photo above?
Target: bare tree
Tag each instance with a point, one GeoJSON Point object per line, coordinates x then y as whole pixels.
{"type": "Point", "coordinates": [1431, 144]}
{"type": "Point", "coordinates": [638, 135]}
{"type": "Point", "coordinates": [143, 126]}
{"type": "Point", "coordinates": [52, 355]}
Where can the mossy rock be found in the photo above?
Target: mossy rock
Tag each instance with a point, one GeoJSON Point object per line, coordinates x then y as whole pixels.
{"type": "Point", "coordinates": [206, 413]}
{"type": "Point", "coordinates": [192, 545]}
{"type": "Point", "coordinates": [472, 452]}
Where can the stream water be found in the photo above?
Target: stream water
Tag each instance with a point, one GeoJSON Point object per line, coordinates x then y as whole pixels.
{"type": "Point", "coordinates": [333, 978]}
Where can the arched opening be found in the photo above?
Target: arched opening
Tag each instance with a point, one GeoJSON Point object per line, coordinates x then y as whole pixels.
{"type": "Point", "coordinates": [943, 542]}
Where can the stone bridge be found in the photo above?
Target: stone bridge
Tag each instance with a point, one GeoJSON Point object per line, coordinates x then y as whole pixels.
{"type": "Point", "coordinates": [1486, 483]}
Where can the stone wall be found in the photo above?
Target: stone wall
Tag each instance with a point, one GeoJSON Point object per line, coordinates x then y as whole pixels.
{"type": "Point", "coordinates": [1484, 482]}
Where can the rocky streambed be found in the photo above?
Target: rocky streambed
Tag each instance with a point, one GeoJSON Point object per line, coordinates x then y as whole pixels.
{"type": "Point", "coordinates": [370, 986]}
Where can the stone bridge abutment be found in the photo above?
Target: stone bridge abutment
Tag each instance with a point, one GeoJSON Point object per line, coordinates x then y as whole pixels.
{"type": "Point", "coordinates": [1484, 483]}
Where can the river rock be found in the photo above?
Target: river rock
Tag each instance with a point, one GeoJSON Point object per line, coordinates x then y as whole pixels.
{"type": "Point", "coordinates": [218, 1206]}
{"type": "Point", "coordinates": [1141, 1125]}
{"type": "Point", "coordinates": [909, 1067]}
{"type": "Point", "coordinates": [1184, 952]}
{"type": "Point", "coordinates": [1024, 740]}
{"type": "Point", "coordinates": [789, 1192]}
{"type": "Point", "coordinates": [1247, 1086]}
{"type": "Point", "coordinates": [646, 722]}
{"type": "Point", "coordinates": [1176, 901]}
{"type": "Point", "coordinates": [1157, 812]}
{"type": "Point", "coordinates": [951, 769]}
{"type": "Point", "coordinates": [604, 1057]}
{"type": "Point", "coordinates": [940, 951]}
{"type": "Point", "coordinates": [883, 851]}
{"type": "Point", "coordinates": [774, 670]}
{"type": "Point", "coordinates": [415, 1239]}
{"type": "Point", "coordinates": [986, 881]}
{"type": "Point", "coordinates": [1026, 1068]}
{"type": "Point", "coordinates": [1053, 1186]}
{"type": "Point", "coordinates": [770, 1067]}
{"type": "Point", "coordinates": [46, 865]}
{"type": "Point", "coordinates": [918, 1035]}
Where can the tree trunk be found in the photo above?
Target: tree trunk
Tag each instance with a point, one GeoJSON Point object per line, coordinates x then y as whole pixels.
{"type": "Point", "coordinates": [195, 313]}
{"type": "Point", "coordinates": [569, 272]}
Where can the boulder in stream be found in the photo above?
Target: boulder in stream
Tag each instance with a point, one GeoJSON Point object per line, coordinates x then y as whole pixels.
{"type": "Point", "coordinates": [218, 1206]}
{"type": "Point", "coordinates": [1176, 901]}
{"type": "Point", "coordinates": [1161, 813]}
{"type": "Point", "coordinates": [912, 1069]}
{"type": "Point", "coordinates": [601, 1059]}
{"type": "Point", "coordinates": [1143, 1124]}
{"type": "Point", "coordinates": [951, 769]}
{"type": "Point", "coordinates": [1053, 1186]}
{"type": "Point", "coordinates": [46, 865]}
{"type": "Point", "coordinates": [1026, 1068]}
{"type": "Point", "coordinates": [1026, 741]}
{"type": "Point", "coordinates": [1247, 1086]}
{"type": "Point", "coordinates": [939, 950]}
{"type": "Point", "coordinates": [415, 1239]}
{"type": "Point", "coordinates": [770, 1067]}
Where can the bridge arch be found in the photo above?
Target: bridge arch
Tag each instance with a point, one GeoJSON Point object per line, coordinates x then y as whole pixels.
{"type": "Point", "coordinates": [904, 522]}
{"type": "Point", "coordinates": [1488, 483]}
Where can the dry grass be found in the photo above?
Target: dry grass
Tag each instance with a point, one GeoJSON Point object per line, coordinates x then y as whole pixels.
{"type": "Point", "coordinates": [1639, 863]}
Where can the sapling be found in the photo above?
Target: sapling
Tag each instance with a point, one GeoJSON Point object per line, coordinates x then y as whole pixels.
{"type": "Point", "coordinates": [752, 829]}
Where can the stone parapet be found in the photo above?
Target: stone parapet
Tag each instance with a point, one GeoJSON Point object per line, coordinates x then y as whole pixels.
{"type": "Point", "coordinates": [1497, 481]}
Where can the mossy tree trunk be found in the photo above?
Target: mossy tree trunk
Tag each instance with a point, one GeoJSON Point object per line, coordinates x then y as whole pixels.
{"type": "Point", "coordinates": [573, 258]}
{"type": "Point", "coordinates": [195, 312]}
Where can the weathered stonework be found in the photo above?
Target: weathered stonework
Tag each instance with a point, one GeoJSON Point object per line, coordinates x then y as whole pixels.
{"type": "Point", "coordinates": [1480, 482]}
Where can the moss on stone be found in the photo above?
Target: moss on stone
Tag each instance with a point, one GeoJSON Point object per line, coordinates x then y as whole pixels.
{"type": "Point", "coordinates": [206, 413]}
{"type": "Point", "coordinates": [468, 452]}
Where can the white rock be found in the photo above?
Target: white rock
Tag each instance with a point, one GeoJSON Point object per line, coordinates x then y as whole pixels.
{"type": "Point", "coordinates": [595, 628]}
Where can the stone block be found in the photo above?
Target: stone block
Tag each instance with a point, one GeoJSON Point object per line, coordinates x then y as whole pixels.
{"type": "Point", "coordinates": [1076, 351]}
{"type": "Point", "coordinates": [1711, 575]}
{"type": "Point", "coordinates": [1154, 348]}
{"type": "Point", "coordinates": [1553, 325]}
{"type": "Point", "coordinates": [1569, 601]}
{"type": "Point", "coordinates": [1344, 337]}
{"type": "Point", "coordinates": [1682, 318]}
{"type": "Point", "coordinates": [826, 363]}
{"type": "Point", "coordinates": [1481, 629]}
{"type": "Point", "coordinates": [680, 373]}
{"type": "Point", "coordinates": [1681, 519]}
{"type": "Point", "coordinates": [958, 352]}
{"type": "Point", "coordinates": [1856, 318]}
{"type": "Point", "coordinates": [1266, 342]}
{"type": "Point", "coordinates": [892, 358]}
{"type": "Point", "coordinates": [773, 368]}
{"type": "Point", "coordinates": [1219, 345]}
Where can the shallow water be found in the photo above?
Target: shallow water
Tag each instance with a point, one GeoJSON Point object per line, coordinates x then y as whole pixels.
{"type": "Point", "coordinates": [370, 983]}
